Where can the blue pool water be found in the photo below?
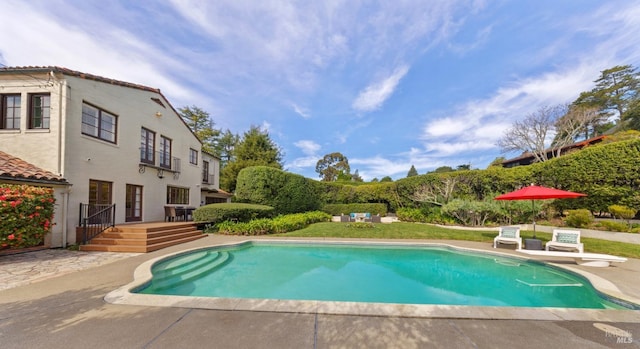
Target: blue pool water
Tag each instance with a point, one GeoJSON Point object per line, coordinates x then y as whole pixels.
{"type": "Point", "coordinates": [365, 273]}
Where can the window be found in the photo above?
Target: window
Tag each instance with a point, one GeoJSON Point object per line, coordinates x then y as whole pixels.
{"type": "Point", "coordinates": [39, 111]}
{"type": "Point", "coordinates": [193, 156]}
{"type": "Point", "coordinates": [147, 150]}
{"type": "Point", "coordinates": [205, 171]}
{"type": "Point", "coordinates": [99, 193]}
{"type": "Point", "coordinates": [177, 196]}
{"type": "Point", "coordinates": [10, 113]}
{"type": "Point", "coordinates": [98, 123]}
{"type": "Point", "coordinates": [165, 152]}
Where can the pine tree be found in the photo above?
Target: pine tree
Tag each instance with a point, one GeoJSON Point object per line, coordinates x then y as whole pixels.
{"type": "Point", "coordinates": [254, 149]}
{"type": "Point", "coordinates": [412, 171]}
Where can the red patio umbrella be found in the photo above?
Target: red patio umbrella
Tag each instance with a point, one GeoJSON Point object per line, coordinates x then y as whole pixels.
{"type": "Point", "coordinates": [536, 192]}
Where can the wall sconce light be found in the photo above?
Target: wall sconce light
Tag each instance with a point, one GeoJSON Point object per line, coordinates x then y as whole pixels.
{"type": "Point", "coordinates": [160, 173]}
{"type": "Point", "coordinates": [158, 114]}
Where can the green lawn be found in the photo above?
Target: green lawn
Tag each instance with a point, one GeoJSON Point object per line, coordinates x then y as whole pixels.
{"type": "Point", "coordinates": [429, 232]}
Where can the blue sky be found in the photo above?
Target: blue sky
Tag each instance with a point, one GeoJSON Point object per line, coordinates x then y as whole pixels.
{"type": "Point", "coordinates": [389, 84]}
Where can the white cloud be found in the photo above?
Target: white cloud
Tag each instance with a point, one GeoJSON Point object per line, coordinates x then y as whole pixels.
{"type": "Point", "coordinates": [308, 147]}
{"type": "Point", "coordinates": [374, 95]}
{"type": "Point", "coordinates": [304, 162]}
{"type": "Point", "coordinates": [304, 112]}
{"type": "Point", "coordinates": [111, 52]}
{"type": "Point", "coordinates": [444, 149]}
{"type": "Point", "coordinates": [488, 118]}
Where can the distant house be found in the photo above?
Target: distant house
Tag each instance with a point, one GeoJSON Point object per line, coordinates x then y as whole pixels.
{"type": "Point", "coordinates": [111, 142]}
{"type": "Point", "coordinates": [527, 158]}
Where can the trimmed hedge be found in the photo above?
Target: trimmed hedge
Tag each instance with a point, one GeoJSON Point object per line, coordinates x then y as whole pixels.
{"type": "Point", "coordinates": [285, 192]}
{"type": "Point", "coordinates": [338, 209]}
{"type": "Point", "coordinates": [609, 174]}
{"type": "Point", "coordinates": [216, 213]}
{"type": "Point", "coordinates": [278, 225]}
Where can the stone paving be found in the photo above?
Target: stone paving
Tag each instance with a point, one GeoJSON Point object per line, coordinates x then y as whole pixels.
{"type": "Point", "coordinates": [25, 268]}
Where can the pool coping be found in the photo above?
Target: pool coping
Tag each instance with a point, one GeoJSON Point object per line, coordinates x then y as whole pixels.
{"type": "Point", "coordinates": [142, 275]}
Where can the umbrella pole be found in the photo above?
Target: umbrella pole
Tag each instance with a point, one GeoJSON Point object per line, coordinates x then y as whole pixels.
{"type": "Point", "coordinates": [533, 209]}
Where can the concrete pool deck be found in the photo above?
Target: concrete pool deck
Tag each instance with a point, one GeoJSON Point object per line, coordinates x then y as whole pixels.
{"type": "Point", "coordinates": [68, 310]}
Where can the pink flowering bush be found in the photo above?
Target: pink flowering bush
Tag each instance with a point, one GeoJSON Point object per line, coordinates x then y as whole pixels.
{"type": "Point", "coordinates": [26, 214]}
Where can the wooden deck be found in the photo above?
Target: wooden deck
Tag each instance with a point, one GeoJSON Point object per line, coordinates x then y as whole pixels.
{"type": "Point", "coordinates": [143, 237]}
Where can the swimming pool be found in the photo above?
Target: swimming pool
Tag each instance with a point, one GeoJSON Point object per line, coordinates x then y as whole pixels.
{"type": "Point", "coordinates": [370, 273]}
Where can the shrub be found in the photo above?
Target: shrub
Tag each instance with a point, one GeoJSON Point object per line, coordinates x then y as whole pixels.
{"type": "Point", "coordinates": [26, 213]}
{"type": "Point", "coordinates": [623, 212]}
{"type": "Point", "coordinates": [614, 226]}
{"type": "Point", "coordinates": [411, 215]}
{"type": "Point", "coordinates": [285, 192]}
{"type": "Point", "coordinates": [338, 209]}
{"type": "Point", "coordinates": [361, 225]}
{"type": "Point", "coordinates": [474, 213]}
{"type": "Point", "coordinates": [579, 218]}
{"type": "Point", "coordinates": [216, 213]}
{"type": "Point", "coordinates": [278, 225]}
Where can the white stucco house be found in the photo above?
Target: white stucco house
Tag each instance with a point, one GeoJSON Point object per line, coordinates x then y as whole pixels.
{"type": "Point", "coordinates": [112, 141]}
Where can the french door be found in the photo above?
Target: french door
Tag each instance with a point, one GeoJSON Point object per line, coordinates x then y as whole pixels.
{"type": "Point", "coordinates": [133, 203]}
{"type": "Point", "coordinates": [100, 194]}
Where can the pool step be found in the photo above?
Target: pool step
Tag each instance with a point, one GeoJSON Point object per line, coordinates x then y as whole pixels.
{"type": "Point", "coordinates": [143, 237]}
{"type": "Point", "coordinates": [189, 270]}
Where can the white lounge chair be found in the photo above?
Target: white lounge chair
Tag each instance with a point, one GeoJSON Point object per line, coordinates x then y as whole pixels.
{"type": "Point", "coordinates": [586, 259]}
{"type": "Point", "coordinates": [565, 240]}
{"type": "Point", "coordinates": [508, 235]}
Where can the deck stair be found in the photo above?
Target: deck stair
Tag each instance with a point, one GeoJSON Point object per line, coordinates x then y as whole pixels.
{"type": "Point", "coordinates": [143, 237]}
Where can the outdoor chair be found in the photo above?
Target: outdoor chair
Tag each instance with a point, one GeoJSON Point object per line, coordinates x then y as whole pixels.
{"type": "Point", "coordinates": [565, 240]}
{"type": "Point", "coordinates": [376, 219]}
{"type": "Point", "coordinates": [508, 235]}
{"type": "Point", "coordinates": [170, 214]}
{"type": "Point", "coordinates": [344, 218]}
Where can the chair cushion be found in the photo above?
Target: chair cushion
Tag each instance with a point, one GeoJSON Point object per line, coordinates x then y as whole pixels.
{"type": "Point", "coordinates": [567, 238]}
{"type": "Point", "coordinates": [508, 233]}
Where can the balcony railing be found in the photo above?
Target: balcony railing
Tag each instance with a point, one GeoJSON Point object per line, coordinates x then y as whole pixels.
{"type": "Point", "coordinates": [160, 161]}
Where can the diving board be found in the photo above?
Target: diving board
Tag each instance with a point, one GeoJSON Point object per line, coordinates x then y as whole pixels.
{"type": "Point", "coordinates": [586, 259]}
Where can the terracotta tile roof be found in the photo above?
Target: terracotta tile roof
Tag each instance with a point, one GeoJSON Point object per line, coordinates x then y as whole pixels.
{"type": "Point", "coordinates": [224, 192]}
{"type": "Point", "coordinates": [65, 71]}
{"type": "Point", "coordinates": [15, 168]}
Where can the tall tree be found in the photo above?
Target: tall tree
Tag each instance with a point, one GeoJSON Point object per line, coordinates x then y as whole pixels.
{"type": "Point", "coordinates": [443, 169]}
{"type": "Point", "coordinates": [632, 115]}
{"type": "Point", "coordinates": [575, 123]}
{"type": "Point", "coordinates": [497, 162]}
{"type": "Point", "coordinates": [199, 121]}
{"type": "Point", "coordinates": [615, 89]}
{"type": "Point", "coordinates": [254, 149]}
{"type": "Point", "coordinates": [225, 146]}
{"type": "Point", "coordinates": [333, 166]}
{"type": "Point", "coordinates": [530, 135]}
{"type": "Point", "coordinates": [412, 172]}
